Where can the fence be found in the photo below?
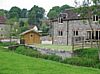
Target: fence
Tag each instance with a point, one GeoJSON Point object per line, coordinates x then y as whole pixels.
{"type": "Point", "coordinates": [80, 42]}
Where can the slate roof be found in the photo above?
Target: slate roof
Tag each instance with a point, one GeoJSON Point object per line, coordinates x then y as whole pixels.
{"type": "Point", "coordinates": [2, 19]}
{"type": "Point", "coordinates": [69, 14]}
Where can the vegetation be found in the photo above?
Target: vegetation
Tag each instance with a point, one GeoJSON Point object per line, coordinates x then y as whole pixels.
{"type": "Point", "coordinates": [35, 15]}
{"type": "Point", "coordinates": [12, 63]}
{"type": "Point", "coordinates": [55, 11]}
{"type": "Point", "coordinates": [84, 57]}
{"type": "Point", "coordinates": [34, 53]}
{"type": "Point", "coordinates": [87, 9]}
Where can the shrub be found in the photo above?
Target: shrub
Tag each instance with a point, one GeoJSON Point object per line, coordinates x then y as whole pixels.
{"type": "Point", "coordinates": [97, 65]}
{"type": "Point", "coordinates": [7, 43]}
{"type": "Point", "coordinates": [54, 58]}
{"type": "Point", "coordinates": [27, 51]}
{"type": "Point", "coordinates": [80, 61]}
{"type": "Point", "coordinates": [91, 53]}
{"type": "Point", "coordinates": [33, 53]}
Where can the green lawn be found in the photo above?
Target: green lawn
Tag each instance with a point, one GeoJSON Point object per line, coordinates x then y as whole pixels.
{"type": "Point", "coordinates": [56, 47]}
{"type": "Point", "coordinates": [12, 63]}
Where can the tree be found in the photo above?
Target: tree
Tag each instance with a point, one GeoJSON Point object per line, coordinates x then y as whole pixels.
{"type": "Point", "coordinates": [23, 26]}
{"type": "Point", "coordinates": [2, 13]}
{"type": "Point", "coordinates": [14, 12]}
{"type": "Point", "coordinates": [13, 29]}
{"type": "Point", "coordinates": [62, 8]}
{"type": "Point", "coordinates": [35, 15]}
{"type": "Point", "coordinates": [87, 10]}
{"type": "Point", "coordinates": [24, 13]}
{"type": "Point", "coordinates": [54, 12]}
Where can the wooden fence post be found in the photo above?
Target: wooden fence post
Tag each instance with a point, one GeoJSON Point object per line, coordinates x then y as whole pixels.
{"type": "Point", "coordinates": [72, 44]}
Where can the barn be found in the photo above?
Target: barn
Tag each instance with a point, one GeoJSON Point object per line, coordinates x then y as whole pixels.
{"type": "Point", "coordinates": [31, 37]}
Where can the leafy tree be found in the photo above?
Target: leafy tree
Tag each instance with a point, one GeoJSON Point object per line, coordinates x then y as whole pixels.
{"type": "Point", "coordinates": [23, 26]}
{"type": "Point", "coordinates": [85, 10]}
{"type": "Point", "coordinates": [35, 15]}
{"type": "Point", "coordinates": [14, 12]}
{"type": "Point", "coordinates": [12, 22]}
{"type": "Point", "coordinates": [45, 27]}
{"type": "Point", "coordinates": [2, 13]}
{"type": "Point", "coordinates": [62, 8]}
{"type": "Point", "coordinates": [24, 13]}
{"type": "Point", "coordinates": [54, 12]}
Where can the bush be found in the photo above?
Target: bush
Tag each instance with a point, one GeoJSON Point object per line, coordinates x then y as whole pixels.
{"type": "Point", "coordinates": [27, 51]}
{"type": "Point", "coordinates": [7, 43]}
{"type": "Point", "coordinates": [91, 53]}
{"type": "Point", "coordinates": [54, 58]}
{"type": "Point", "coordinates": [80, 61]}
{"type": "Point", "coordinates": [33, 53]}
{"type": "Point", "coordinates": [97, 65]}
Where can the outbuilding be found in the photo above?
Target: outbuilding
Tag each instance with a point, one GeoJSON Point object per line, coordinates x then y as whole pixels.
{"type": "Point", "coordinates": [30, 37]}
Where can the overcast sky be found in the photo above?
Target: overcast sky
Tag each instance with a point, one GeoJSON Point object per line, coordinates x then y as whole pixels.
{"type": "Point", "coordinates": [46, 4]}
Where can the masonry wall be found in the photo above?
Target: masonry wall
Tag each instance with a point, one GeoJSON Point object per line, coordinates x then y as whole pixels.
{"type": "Point", "coordinates": [4, 31]}
{"type": "Point", "coordinates": [75, 25]}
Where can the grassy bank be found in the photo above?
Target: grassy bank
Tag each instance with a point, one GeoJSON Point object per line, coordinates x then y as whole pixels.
{"type": "Point", "coordinates": [12, 63]}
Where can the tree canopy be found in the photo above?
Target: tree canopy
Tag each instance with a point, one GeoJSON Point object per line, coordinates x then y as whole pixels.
{"type": "Point", "coordinates": [14, 12]}
{"type": "Point", "coordinates": [24, 13]}
{"type": "Point", "coordinates": [36, 14]}
{"type": "Point", "coordinates": [55, 11]}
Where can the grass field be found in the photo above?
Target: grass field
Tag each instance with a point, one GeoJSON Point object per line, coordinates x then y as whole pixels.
{"type": "Point", "coordinates": [56, 47]}
{"type": "Point", "coordinates": [12, 63]}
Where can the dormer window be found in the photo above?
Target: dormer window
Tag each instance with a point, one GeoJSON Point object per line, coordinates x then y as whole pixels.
{"type": "Point", "coordinates": [95, 18]}
{"type": "Point", "coordinates": [60, 20]}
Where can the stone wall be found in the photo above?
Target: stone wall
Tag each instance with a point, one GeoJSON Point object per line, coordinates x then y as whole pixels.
{"type": "Point", "coordinates": [4, 31]}
{"type": "Point", "coordinates": [73, 25]}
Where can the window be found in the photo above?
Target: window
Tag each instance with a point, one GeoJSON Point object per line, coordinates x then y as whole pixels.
{"type": "Point", "coordinates": [75, 33]}
{"type": "Point", "coordinates": [95, 18]}
{"type": "Point", "coordinates": [60, 33]}
{"type": "Point", "coordinates": [60, 20]}
{"type": "Point", "coordinates": [31, 35]}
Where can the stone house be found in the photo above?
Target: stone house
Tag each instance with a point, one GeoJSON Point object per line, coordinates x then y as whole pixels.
{"type": "Point", "coordinates": [69, 24]}
{"type": "Point", "coordinates": [4, 28]}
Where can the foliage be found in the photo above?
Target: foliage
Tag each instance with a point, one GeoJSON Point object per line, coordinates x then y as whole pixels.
{"type": "Point", "coordinates": [88, 53]}
{"type": "Point", "coordinates": [55, 11]}
{"type": "Point", "coordinates": [34, 53]}
{"type": "Point", "coordinates": [80, 61]}
{"type": "Point", "coordinates": [4, 44]}
{"type": "Point", "coordinates": [62, 8]}
{"type": "Point", "coordinates": [23, 13]}
{"type": "Point", "coordinates": [2, 13]}
{"type": "Point", "coordinates": [14, 12]}
{"type": "Point", "coordinates": [35, 15]}
{"type": "Point", "coordinates": [27, 51]}
{"type": "Point", "coordinates": [14, 26]}
{"type": "Point", "coordinates": [45, 27]}
{"type": "Point", "coordinates": [23, 26]}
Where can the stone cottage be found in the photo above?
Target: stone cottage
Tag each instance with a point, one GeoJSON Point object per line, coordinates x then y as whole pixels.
{"type": "Point", "coordinates": [4, 28]}
{"type": "Point", "coordinates": [69, 24]}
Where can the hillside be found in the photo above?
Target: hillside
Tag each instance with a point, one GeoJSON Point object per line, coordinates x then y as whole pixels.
{"type": "Point", "coordinates": [12, 63]}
